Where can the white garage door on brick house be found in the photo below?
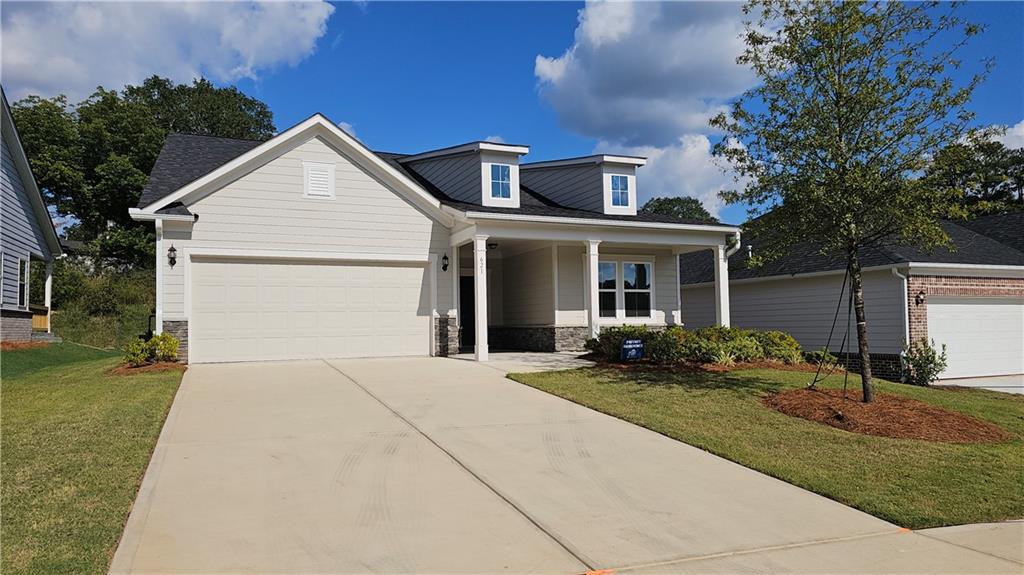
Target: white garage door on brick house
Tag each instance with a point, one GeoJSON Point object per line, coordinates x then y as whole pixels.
{"type": "Point", "coordinates": [245, 310]}
{"type": "Point", "coordinates": [983, 336]}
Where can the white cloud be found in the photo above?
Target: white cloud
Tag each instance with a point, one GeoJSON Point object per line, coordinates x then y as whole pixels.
{"type": "Point", "coordinates": [684, 168]}
{"type": "Point", "coordinates": [348, 129]}
{"type": "Point", "coordinates": [495, 139]}
{"type": "Point", "coordinates": [642, 74]}
{"type": "Point", "coordinates": [644, 79]}
{"type": "Point", "coordinates": [70, 48]}
{"type": "Point", "coordinates": [1014, 136]}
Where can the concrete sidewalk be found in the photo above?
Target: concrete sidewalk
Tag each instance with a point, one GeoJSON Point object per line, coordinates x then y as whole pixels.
{"type": "Point", "coordinates": [431, 465]}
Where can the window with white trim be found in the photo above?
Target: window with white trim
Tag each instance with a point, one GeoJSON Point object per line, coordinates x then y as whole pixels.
{"type": "Point", "coordinates": [318, 180]}
{"type": "Point", "coordinates": [501, 181]}
{"type": "Point", "coordinates": [620, 191]}
{"type": "Point", "coordinates": [22, 282]}
{"type": "Point", "coordinates": [636, 289]}
{"type": "Point", "coordinates": [607, 288]}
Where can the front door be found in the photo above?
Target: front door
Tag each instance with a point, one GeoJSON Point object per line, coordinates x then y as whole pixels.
{"type": "Point", "coordinates": [467, 314]}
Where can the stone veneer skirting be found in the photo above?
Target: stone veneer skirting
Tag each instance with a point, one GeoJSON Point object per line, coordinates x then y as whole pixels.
{"type": "Point", "coordinates": [446, 336]}
{"type": "Point", "coordinates": [537, 338]}
{"type": "Point", "coordinates": [179, 329]}
{"type": "Point", "coordinates": [15, 325]}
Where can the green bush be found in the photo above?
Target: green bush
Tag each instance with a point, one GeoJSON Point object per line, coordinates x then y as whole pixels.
{"type": "Point", "coordinates": [821, 357]}
{"type": "Point", "coordinates": [743, 349]}
{"type": "Point", "coordinates": [665, 346]}
{"type": "Point", "coordinates": [923, 362]}
{"type": "Point", "coordinates": [779, 345]}
{"type": "Point", "coordinates": [163, 347]}
{"type": "Point", "coordinates": [701, 350]}
{"type": "Point", "coordinates": [136, 353]}
{"type": "Point", "coordinates": [608, 344]}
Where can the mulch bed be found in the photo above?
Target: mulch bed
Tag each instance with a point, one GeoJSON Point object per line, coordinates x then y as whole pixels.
{"type": "Point", "coordinates": [18, 345]}
{"type": "Point", "coordinates": [711, 367]}
{"type": "Point", "coordinates": [149, 367]}
{"type": "Point", "coordinates": [887, 416]}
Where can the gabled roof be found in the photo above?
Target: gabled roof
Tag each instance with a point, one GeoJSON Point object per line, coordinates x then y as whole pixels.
{"type": "Point", "coordinates": [187, 158]}
{"type": "Point", "coordinates": [970, 248]}
{"type": "Point", "coordinates": [28, 179]}
{"type": "Point", "coordinates": [1005, 228]}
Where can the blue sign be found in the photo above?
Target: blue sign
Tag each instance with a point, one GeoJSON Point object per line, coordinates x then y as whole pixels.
{"type": "Point", "coordinates": [632, 349]}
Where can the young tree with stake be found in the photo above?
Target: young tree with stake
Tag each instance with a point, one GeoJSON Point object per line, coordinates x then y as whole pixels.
{"type": "Point", "coordinates": [854, 99]}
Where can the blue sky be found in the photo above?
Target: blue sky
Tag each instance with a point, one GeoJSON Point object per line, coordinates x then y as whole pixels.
{"type": "Point", "coordinates": [566, 78]}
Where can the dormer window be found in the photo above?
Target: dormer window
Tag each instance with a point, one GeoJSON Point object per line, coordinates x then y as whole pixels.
{"type": "Point", "coordinates": [620, 191]}
{"type": "Point", "coordinates": [501, 181]}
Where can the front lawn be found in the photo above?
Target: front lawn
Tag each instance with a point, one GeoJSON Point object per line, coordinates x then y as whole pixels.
{"type": "Point", "coordinates": [75, 442]}
{"type": "Point", "coordinates": [912, 483]}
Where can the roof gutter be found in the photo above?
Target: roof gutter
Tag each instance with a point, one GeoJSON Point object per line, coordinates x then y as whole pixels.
{"type": "Point", "coordinates": [598, 222]}
{"type": "Point", "coordinates": [142, 216]}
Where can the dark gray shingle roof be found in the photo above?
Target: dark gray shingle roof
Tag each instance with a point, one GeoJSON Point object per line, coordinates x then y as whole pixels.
{"type": "Point", "coordinates": [971, 247]}
{"type": "Point", "coordinates": [1005, 228]}
{"type": "Point", "coordinates": [186, 158]}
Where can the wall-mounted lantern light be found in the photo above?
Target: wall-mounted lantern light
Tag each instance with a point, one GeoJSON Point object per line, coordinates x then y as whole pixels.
{"type": "Point", "coordinates": [172, 256]}
{"type": "Point", "coordinates": [919, 298]}
{"type": "Point", "coordinates": [444, 263]}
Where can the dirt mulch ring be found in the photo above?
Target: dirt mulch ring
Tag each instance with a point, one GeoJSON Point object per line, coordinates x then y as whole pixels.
{"type": "Point", "coordinates": [149, 367]}
{"type": "Point", "coordinates": [19, 345]}
{"type": "Point", "coordinates": [712, 367]}
{"type": "Point", "coordinates": [887, 416]}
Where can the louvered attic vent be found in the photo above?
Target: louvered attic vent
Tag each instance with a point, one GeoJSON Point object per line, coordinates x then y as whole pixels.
{"type": "Point", "coordinates": [318, 180]}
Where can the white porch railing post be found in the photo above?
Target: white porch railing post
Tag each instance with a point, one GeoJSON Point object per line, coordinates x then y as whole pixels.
{"type": "Point", "coordinates": [593, 299]}
{"type": "Point", "coordinates": [48, 294]}
{"type": "Point", "coordinates": [480, 295]}
{"type": "Point", "coordinates": [721, 286]}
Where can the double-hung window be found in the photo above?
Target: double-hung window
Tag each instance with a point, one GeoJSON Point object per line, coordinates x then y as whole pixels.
{"type": "Point", "coordinates": [22, 282]}
{"type": "Point", "coordinates": [501, 181]}
{"type": "Point", "coordinates": [624, 289]}
{"type": "Point", "coordinates": [607, 288]}
{"type": "Point", "coordinates": [620, 191]}
{"type": "Point", "coordinates": [636, 289]}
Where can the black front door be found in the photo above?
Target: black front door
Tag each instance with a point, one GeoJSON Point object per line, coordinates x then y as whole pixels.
{"type": "Point", "coordinates": [467, 314]}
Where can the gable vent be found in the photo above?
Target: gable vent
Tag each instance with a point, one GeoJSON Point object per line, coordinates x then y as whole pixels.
{"type": "Point", "coordinates": [318, 180]}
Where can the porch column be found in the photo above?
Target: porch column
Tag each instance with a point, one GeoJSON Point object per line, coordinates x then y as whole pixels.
{"type": "Point", "coordinates": [48, 293]}
{"type": "Point", "coordinates": [593, 300]}
{"type": "Point", "coordinates": [721, 286]}
{"type": "Point", "coordinates": [480, 295]}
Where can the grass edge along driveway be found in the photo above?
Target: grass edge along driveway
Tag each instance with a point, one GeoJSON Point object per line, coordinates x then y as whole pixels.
{"type": "Point", "coordinates": [912, 483]}
{"type": "Point", "coordinates": [76, 442]}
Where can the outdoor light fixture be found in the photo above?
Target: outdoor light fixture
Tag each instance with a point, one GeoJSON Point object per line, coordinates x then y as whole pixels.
{"type": "Point", "coordinates": [919, 298]}
{"type": "Point", "coordinates": [172, 256]}
{"type": "Point", "coordinates": [444, 263]}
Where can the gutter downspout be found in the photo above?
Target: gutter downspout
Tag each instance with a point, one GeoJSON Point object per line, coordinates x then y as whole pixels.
{"type": "Point", "coordinates": [906, 319]}
{"type": "Point", "coordinates": [733, 249]}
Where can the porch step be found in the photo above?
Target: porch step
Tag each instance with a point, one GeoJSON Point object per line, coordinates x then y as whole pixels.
{"type": "Point", "coordinates": [43, 336]}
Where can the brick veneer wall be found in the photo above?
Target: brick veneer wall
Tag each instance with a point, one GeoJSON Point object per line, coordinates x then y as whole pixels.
{"type": "Point", "coordinates": [952, 286]}
{"type": "Point", "coordinates": [884, 365]}
{"type": "Point", "coordinates": [179, 329]}
{"type": "Point", "coordinates": [15, 325]}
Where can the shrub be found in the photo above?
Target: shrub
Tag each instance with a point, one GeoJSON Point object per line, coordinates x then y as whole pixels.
{"type": "Point", "coordinates": [923, 362]}
{"type": "Point", "coordinates": [136, 353]}
{"type": "Point", "coordinates": [666, 346]}
{"type": "Point", "coordinates": [779, 345]}
{"type": "Point", "coordinates": [608, 343]}
{"type": "Point", "coordinates": [743, 349]}
{"type": "Point", "coordinates": [163, 347]}
{"type": "Point", "coordinates": [701, 350]}
{"type": "Point", "coordinates": [821, 357]}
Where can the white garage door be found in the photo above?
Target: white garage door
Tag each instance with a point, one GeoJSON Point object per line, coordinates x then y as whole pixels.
{"type": "Point", "coordinates": [269, 310]}
{"type": "Point", "coordinates": [983, 336]}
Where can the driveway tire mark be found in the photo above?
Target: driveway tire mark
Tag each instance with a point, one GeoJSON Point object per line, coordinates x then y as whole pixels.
{"type": "Point", "coordinates": [569, 548]}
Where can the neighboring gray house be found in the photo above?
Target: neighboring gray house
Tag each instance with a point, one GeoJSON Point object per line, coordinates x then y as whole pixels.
{"type": "Point", "coordinates": [26, 235]}
{"type": "Point", "coordinates": [971, 298]}
{"type": "Point", "coordinates": [310, 245]}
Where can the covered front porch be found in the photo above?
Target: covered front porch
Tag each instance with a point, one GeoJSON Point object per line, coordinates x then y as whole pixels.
{"type": "Point", "coordinates": [546, 287]}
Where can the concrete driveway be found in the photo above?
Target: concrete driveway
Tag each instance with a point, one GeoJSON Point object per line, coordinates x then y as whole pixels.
{"type": "Point", "coordinates": [1004, 383]}
{"type": "Point", "coordinates": [445, 466]}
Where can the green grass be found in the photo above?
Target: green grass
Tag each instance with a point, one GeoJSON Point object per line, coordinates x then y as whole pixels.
{"type": "Point", "coordinates": [106, 331]}
{"type": "Point", "coordinates": [911, 483]}
{"type": "Point", "coordinates": [75, 442]}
